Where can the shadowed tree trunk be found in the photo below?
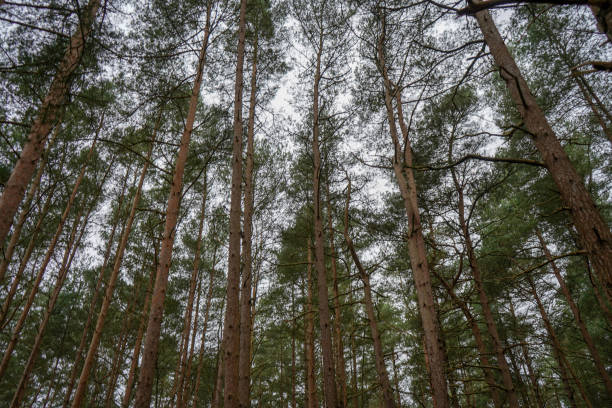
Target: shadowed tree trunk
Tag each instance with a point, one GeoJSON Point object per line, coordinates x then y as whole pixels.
{"type": "Point", "coordinates": [595, 234]}
{"type": "Point", "coordinates": [147, 369]}
{"type": "Point", "coordinates": [45, 119]}
{"type": "Point", "coordinates": [309, 353]}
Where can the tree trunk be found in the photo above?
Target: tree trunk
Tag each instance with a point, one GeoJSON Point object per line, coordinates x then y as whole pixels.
{"type": "Point", "coordinates": [231, 329]}
{"type": "Point", "coordinates": [309, 352]}
{"type": "Point", "coordinates": [41, 271]}
{"type": "Point", "coordinates": [110, 288]}
{"type": "Point", "coordinates": [595, 234]}
{"type": "Point", "coordinates": [25, 211]}
{"type": "Point", "coordinates": [329, 380]}
{"type": "Point", "coordinates": [47, 116]}
{"type": "Point", "coordinates": [293, 357]}
{"type": "Point", "coordinates": [383, 376]}
{"type": "Point", "coordinates": [402, 166]}
{"type": "Point", "coordinates": [564, 365]}
{"type": "Point", "coordinates": [147, 369]}
{"type": "Point", "coordinates": [577, 317]}
{"type": "Point", "coordinates": [244, 368]}
{"type": "Point", "coordinates": [484, 300]}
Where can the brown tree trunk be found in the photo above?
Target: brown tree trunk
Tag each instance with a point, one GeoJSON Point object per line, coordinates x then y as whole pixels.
{"type": "Point", "coordinates": [137, 344]}
{"type": "Point", "coordinates": [595, 234]}
{"type": "Point", "coordinates": [383, 376]}
{"type": "Point", "coordinates": [484, 300]}
{"type": "Point", "coordinates": [293, 356]}
{"type": "Point", "coordinates": [244, 366]}
{"type": "Point", "coordinates": [402, 166]}
{"type": "Point", "coordinates": [577, 317]}
{"type": "Point", "coordinates": [339, 347]}
{"type": "Point", "coordinates": [183, 359]}
{"type": "Point", "coordinates": [25, 211]}
{"type": "Point", "coordinates": [564, 365]}
{"type": "Point", "coordinates": [147, 369]}
{"type": "Point", "coordinates": [47, 116]}
{"type": "Point", "coordinates": [69, 254]}
{"type": "Point", "coordinates": [110, 289]}
{"type": "Point", "coordinates": [95, 295]}
{"type": "Point", "coordinates": [309, 352]}
{"type": "Point", "coordinates": [329, 377]}
{"type": "Point", "coordinates": [231, 329]}
{"type": "Point", "coordinates": [41, 271]}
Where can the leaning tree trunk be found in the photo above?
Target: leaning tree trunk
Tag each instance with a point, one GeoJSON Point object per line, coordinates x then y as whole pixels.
{"type": "Point", "coordinates": [8, 353]}
{"type": "Point", "coordinates": [383, 376]}
{"type": "Point", "coordinates": [599, 364]}
{"type": "Point", "coordinates": [231, 329]}
{"type": "Point", "coordinates": [47, 116]}
{"type": "Point", "coordinates": [402, 166]}
{"type": "Point", "coordinates": [110, 288]}
{"type": "Point", "coordinates": [594, 233]}
{"type": "Point", "coordinates": [147, 369]}
{"type": "Point", "coordinates": [244, 366]}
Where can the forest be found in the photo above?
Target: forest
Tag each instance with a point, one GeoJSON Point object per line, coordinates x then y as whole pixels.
{"type": "Point", "coordinates": [306, 203]}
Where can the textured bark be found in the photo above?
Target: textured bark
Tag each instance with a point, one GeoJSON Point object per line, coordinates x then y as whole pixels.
{"type": "Point", "coordinates": [402, 167]}
{"type": "Point", "coordinates": [69, 253]}
{"type": "Point", "coordinates": [47, 116]}
{"type": "Point", "coordinates": [25, 211]}
{"type": "Point", "coordinates": [41, 271]}
{"type": "Point", "coordinates": [381, 369]}
{"type": "Point", "coordinates": [329, 376]}
{"type": "Point", "coordinates": [312, 400]}
{"type": "Point", "coordinates": [339, 346]}
{"type": "Point", "coordinates": [564, 365]}
{"type": "Point", "coordinates": [599, 364]}
{"type": "Point", "coordinates": [244, 366]}
{"type": "Point", "coordinates": [95, 296]}
{"type": "Point", "coordinates": [196, 388]}
{"type": "Point", "coordinates": [594, 233]}
{"type": "Point", "coordinates": [484, 300]}
{"type": "Point", "coordinates": [110, 287]}
{"type": "Point", "coordinates": [293, 356]}
{"type": "Point", "coordinates": [147, 369]}
{"type": "Point", "coordinates": [231, 329]}
{"type": "Point", "coordinates": [138, 343]}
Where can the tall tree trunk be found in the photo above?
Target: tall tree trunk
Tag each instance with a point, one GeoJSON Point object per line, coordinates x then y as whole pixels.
{"type": "Point", "coordinates": [339, 347]}
{"type": "Point", "coordinates": [95, 295]}
{"type": "Point", "coordinates": [231, 329]}
{"type": "Point", "coordinates": [137, 344]}
{"type": "Point", "coordinates": [293, 356]}
{"type": "Point", "coordinates": [309, 352]}
{"type": "Point", "coordinates": [147, 369]}
{"type": "Point", "coordinates": [383, 376]}
{"type": "Point", "coordinates": [110, 288]}
{"type": "Point", "coordinates": [562, 361]}
{"type": "Point", "coordinates": [45, 119]}
{"type": "Point", "coordinates": [484, 300]}
{"type": "Point", "coordinates": [70, 251]}
{"type": "Point", "coordinates": [329, 377]}
{"type": "Point", "coordinates": [577, 316]}
{"type": "Point", "coordinates": [25, 211]}
{"type": "Point", "coordinates": [183, 359]}
{"type": "Point", "coordinates": [41, 271]}
{"type": "Point", "coordinates": [244, 366]}
{"type": "Point", "coordinates": [595, 234]}
{"type": "Point", "coordinates": [402, 166]}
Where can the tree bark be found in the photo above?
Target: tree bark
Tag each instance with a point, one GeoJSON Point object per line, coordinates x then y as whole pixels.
{"type": "Point", "coordinates": [577, 316]}
{"type": "Point", "coordinates": [47, 116]}
{"type": "Point", "coordinates": [309, 353]}
{"type": "Point", "coordinates": [244, 366]}
{"type": "Point", "coordinates": [110, 288]}
{"type": "Point", "coordinates": [402, 166]}
{"type": "Point", "coordinates": [145, 386]}
{"type": "Point", "coordinates": [594, 233]}
{"type": "Point", "coordinates": [383, 376]}
{"type": "Point", "coordinates": [231, 329]}
{"type": "Point", "coordinates": [41, 271]}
